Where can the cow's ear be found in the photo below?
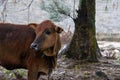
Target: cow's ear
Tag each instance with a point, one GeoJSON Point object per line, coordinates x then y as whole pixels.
{"type": "Point", "coordinates": [32, 25]}
{"type": "Point", "coordinates": [58, 29]}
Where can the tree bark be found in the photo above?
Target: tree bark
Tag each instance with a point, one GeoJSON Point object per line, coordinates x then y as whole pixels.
{"type": "Point", "coordinates": [83, 45]}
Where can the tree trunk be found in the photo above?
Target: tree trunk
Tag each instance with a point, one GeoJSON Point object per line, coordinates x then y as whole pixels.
{"type": "Point", "coordinates": [84, 45]}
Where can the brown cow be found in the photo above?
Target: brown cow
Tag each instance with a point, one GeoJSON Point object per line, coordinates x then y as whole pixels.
{"type": "Point", "coordinates": [15, 43]}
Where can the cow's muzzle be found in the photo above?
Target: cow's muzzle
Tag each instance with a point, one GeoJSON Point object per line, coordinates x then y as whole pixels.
{"type": "Point", "coordinates": [34, 46]}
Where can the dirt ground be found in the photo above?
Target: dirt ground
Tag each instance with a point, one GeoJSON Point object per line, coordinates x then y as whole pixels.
{"type": "Point", "coordinates": [67, 69]}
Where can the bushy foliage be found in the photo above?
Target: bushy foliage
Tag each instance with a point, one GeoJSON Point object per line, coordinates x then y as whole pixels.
{"type": "Point", "coordinates": [56, 8]}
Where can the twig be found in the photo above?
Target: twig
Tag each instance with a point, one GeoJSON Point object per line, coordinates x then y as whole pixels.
{"type": "Point", "coordinates": [27, 6]}
{"type": "Point", "coordinates": [1, 2]}
{"type": "Point", "coordinates": [4, 12]}
{"type": "Point", "coordinates": [74, 9]}
{"type": "Point", "coordinates": [17, 1]}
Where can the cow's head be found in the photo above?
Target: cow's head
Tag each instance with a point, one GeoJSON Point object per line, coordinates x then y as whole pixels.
{"type": "Point", "coordinates": [47, 37]}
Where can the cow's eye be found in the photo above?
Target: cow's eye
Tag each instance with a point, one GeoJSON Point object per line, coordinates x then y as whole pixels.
{"type": "Point", "coordinates": [48, 32]}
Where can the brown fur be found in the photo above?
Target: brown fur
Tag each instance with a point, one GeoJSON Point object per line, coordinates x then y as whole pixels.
{"type": "Point", "coordinates": [15, 42]}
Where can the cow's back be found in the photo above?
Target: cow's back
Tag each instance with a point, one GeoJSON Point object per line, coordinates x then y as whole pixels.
{"type": "Point", "coordinates": [15, 43]}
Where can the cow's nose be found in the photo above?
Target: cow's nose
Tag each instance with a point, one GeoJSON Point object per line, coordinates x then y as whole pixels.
{"type": "Point", "coordinates": [34, 46]}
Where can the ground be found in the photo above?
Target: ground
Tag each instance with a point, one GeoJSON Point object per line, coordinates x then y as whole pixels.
{"type": "Point", "coordinates": [108, 67]}
{"type": "Point", "coordinates": [69, 69]}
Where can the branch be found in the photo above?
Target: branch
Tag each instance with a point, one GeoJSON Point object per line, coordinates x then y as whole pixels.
{"type": "Point", "coordinates": [70, 16]}
{"type": "Point", "coordinates": [17, 1]}
{"type": "Point", "coordinates": [1, 2]}
{"type": "Point", "coordinates": [27, 6]}
{"type": "Point", "coordinates": [4, 14]}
